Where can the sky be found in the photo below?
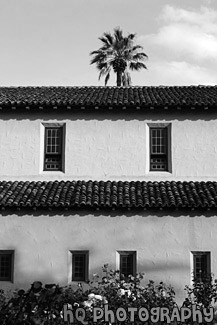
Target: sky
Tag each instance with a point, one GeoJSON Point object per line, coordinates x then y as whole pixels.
{"type": "Point", "coordinates": [48, 42]}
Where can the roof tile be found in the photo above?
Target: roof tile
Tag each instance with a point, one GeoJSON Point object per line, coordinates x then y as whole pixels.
{"type": "Point", "coordinates": [105, 97]}
{"type": "Point", "coordinates": [108, 195]}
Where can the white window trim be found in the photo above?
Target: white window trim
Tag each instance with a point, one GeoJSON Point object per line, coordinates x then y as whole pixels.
{"type": "Point", "coordinates": [43, 125]}
{"type": "Point", "coordinates": [192, 253]}
{"type": "Point", "coordinates": [168, 125]}
{"type": "Point", "coordinates": [70, 268]}
{"type": "Point", "coordinates": [118, 256]}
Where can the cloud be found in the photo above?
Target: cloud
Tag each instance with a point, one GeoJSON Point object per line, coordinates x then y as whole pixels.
{"type": "Point", "coordinates": [190, 41]}
{"type": "Point", "coordinates": [185, 34]}
{"type": "Point", "coordinates": [205, 17]}
{"type": "Point", "coordinates": [180, 73]}
{"type": "Point", "coordinates": [183, 51]}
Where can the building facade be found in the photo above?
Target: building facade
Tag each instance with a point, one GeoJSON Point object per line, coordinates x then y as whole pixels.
{"type": "Point", "coordinates": [95, 175]}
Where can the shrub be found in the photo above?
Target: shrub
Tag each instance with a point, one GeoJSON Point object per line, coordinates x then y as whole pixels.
{"type": "Point", "coordinates": [202, 294]}
{"type": "Point", "coordinates": [44, 304]}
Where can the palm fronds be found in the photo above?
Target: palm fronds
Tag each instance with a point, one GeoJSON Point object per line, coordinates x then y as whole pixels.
{"type": "Point", "coordinates": [120, 54]}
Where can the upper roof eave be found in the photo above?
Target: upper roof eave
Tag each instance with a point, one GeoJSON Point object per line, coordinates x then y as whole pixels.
{"type": "Point", "coordinates": [89, 97]}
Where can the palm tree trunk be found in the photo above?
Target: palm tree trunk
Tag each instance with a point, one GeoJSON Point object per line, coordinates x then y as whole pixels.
{"type": "Point", "coordinates": [118, 78]}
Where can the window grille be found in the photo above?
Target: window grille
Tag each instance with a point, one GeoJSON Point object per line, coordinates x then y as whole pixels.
{"type": "Point", "coordinates": [79, 266]}
{"type": "Point", "coordinates": [6, 265]}
{"type": "Point", "coordinates": [127, 263]}
{"type": "Point", "coordinates": [53, 148]}
{"type": "Point", "coordinates": [158, 149]}
{"type": "Point", "coordinates": [201, 265]}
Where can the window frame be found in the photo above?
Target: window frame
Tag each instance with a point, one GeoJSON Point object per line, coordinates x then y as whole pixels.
{"type": "Point", "coordinates": [11, 271]}
{"type": "Point", "coordinates": [195, 254]}
{"type": "Point", "coordinates": [121, 254]}
{"type": "Point", "coordinates": [60, 126]}
{"type": "Point", "coordinates": [167, 154]}
{"type": "Point", "coordinates": [86, 265]}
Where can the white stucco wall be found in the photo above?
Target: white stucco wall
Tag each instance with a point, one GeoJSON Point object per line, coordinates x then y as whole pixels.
{"type": "Point", "coordinates": [109, 146]}
{"type": "Point", "coordinates": [163, 243]}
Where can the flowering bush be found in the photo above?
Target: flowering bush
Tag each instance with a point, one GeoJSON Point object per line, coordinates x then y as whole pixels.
{"type": "Point", "coordinates": [44, 304]}
{"type": "Point", "coordinates": [128, 292]}
{"type": "Point", "coordinates": [202, 294]}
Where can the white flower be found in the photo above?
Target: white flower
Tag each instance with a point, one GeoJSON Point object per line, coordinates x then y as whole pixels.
{"type": "Point", "coordinates": [87, 303]}
{"type": "Point", "coordinates": [128, 292]}
{"type": "Point", "coordinates": [163, 293]}
{"type": "Point", "coordinates": [98, 297]}
{"type": "Point", "coordinates": [91, 296]}
{"type": "Point", "coordinates": [121, 292]}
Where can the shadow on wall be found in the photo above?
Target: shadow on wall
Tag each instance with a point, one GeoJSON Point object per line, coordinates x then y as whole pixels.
{"type": "Point", "coordinates": [114, 115]}
{"type": "Point", "coordinates": [169, 274]}
{"type": "Point", "coordinates": [82, 212]}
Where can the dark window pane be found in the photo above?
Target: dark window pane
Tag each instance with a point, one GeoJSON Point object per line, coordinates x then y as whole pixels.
{"type": "Point", "coordinates": [5, 267]}
{"type": "Point", "coordinates": [53, 148]}
{"type": "Point", "coordinates": [126, 264]}
{"type": "Point", "coordinates": [158, 149]}
{"type": "Point", "coordinates": [201, 266]}
{"type": "Point", "coordinates": [78, 267]}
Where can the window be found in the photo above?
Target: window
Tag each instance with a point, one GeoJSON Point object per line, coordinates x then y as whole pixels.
{"type": "Point", "coordinates": [53, 147]}
{"type": "Point", "coordinates": [80, 265]}
{"type": "Point", "coordinates": [201, 265]}
{"type": "Point", "coordinates": [127, 263]}
{"type": "Point", "coordinates": [6, 265]}
{"type": "Point", "coordinates": [159, 147]}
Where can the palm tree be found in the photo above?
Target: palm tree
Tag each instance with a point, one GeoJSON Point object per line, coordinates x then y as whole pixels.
{"type": "Point", "coordinates": [120, 54]}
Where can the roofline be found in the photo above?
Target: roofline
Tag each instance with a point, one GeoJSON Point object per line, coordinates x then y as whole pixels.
{"type": "Point", "coordinates": [107, 97]}
{"type": "Point", "coordinates": [108, 195]}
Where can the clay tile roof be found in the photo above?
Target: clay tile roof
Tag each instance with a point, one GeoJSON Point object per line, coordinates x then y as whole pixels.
{"type": "Point", "coordinates": [108, 195]}
{"type": "Point", "coordinates": [105, 97]}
